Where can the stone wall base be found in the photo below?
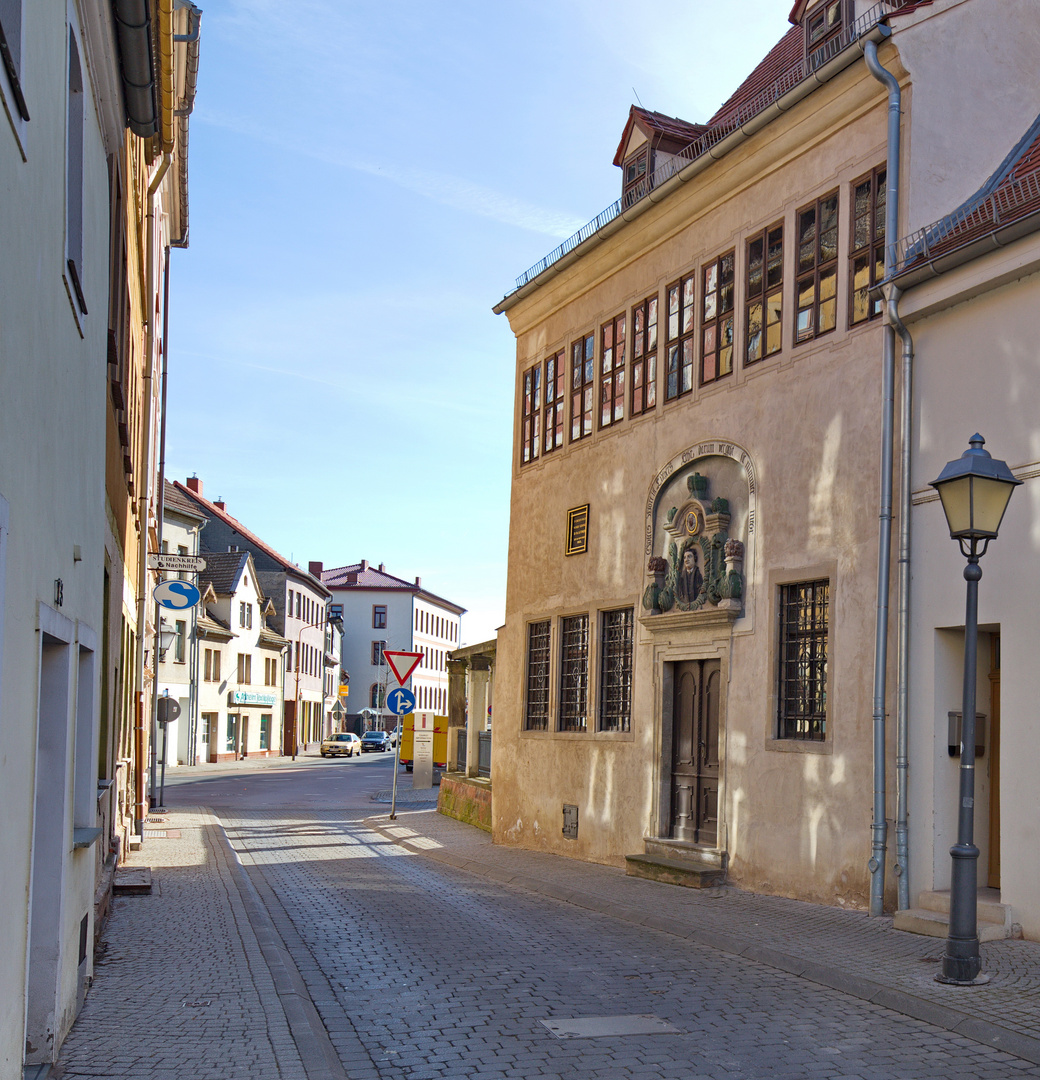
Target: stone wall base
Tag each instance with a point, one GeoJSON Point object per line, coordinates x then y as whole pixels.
{"type": "Point", "coordinates": [466, 798]}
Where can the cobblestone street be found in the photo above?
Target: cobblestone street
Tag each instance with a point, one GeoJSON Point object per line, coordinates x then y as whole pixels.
{"type": "Point", "coordinates": [325, 949]}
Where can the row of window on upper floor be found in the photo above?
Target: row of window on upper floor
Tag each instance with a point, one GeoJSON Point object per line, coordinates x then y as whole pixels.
{"type": "Point", "coordinates": [702, 327]}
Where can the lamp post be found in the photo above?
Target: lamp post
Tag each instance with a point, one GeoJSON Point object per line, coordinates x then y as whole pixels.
{"type": "Point", "coordinates": [974, 490]}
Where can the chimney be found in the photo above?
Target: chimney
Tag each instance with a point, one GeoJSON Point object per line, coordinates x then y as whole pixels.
{"type": "Point", "coordinates": [315, 569]}
{"type": "Point", "coordinates": [382, 568]}
{"type": "Point", "coordinates": [418, 582]}
{"type": "Point", "coordinates": [193, 483]}
{"type": "Point", "coordinates": [219, 504]}
{"type": "Point", "coordinates": [364, 564]}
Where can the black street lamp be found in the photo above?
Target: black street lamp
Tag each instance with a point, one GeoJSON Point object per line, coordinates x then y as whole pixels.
{"type": "Point", "coordinates": [975, 490]}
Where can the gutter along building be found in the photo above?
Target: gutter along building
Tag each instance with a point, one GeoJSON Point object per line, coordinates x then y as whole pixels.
{"type": "Point", "coordinates": [93, 166]}
{"type": "Point", "coordinates": [705, 398]}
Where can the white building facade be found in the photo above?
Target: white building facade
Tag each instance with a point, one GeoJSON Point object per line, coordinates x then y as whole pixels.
{"type": "Point", "coordinates": [381, 611]}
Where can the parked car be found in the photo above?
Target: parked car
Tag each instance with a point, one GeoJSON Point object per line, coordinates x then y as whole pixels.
{"type": "Point", "coordinates": [393, 737]}
{"type": "Point", "coordinates": [375, 740]}
{"type": "Point", "coordinates": [341, 744]}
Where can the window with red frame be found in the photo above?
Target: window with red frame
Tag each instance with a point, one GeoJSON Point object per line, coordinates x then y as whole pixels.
{"type": "Point", "coordinates": [644, 357]}
{"type": "Point", "coordinates": [717, 313]}
{"type": "Point", "coordinates": [583, 384]}
{"type": "Point", "coordinates": [612, 372]}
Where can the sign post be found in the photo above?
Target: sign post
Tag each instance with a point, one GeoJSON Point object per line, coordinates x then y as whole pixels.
{"type": "Point", "coordinates": [402, 664]}
{"type": "Point", "coordinates": [422, 762]}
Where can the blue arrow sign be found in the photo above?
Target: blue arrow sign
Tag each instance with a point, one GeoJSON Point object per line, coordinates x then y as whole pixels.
{"type": "Point", "coordinates": [401, 701]}
{"type": "Point", "coordinates": [176, 594]}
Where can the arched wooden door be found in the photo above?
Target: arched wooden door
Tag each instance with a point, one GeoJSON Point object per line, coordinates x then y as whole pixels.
{"type": "Point", "coordinates": [695, 751]}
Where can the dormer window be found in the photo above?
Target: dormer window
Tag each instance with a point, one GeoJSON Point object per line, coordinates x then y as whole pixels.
{"type": "Point", "coordinates": [635, 177]}
{"type": "Point", "coordinates": [821, 27]}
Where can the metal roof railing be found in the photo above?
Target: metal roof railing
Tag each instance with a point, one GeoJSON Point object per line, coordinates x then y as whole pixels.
{"type": "Point", "coordinates": [794, 75]}
{"type": "Point", "coordinates": [972, 220]}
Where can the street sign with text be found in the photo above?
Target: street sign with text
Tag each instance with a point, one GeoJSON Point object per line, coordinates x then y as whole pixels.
{"type": "Point", "coordinates": [190, 564]}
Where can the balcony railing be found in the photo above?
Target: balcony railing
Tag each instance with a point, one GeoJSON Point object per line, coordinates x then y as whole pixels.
{"type": "Point", "coordinates": [794, 75]}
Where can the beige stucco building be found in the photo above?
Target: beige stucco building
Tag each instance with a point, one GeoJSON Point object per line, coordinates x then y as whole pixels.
{"type": "Point", "coordinates": [701, 617]}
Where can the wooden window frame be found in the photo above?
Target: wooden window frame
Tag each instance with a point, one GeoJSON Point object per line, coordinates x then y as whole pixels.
{"type": "Point", "coordinates": [825, 30]}
{"type": "Point", "coordinates": [815, 272]}
{"type": "Point", "coordinates": [718, 317]}
{"type": "Point", "coordinates": [636, 184]}
{"type": "Point", "coordinates": [554, 393]}
{"type": "Point", "coordinates": [583, 386]}
{"type": "Point", "coordinates": [379, 616]}
{"type": "Point", "coordinates": [681, 340]}
{"type": "Point", "coordinates": [612, 371]}
{"type": "Point", "coordinates": [867, 246]}
{"type": "Point", "coordinates": [643, 380]}
{"type": "Point", "coordinates": [531, 418]}
{"type": "Point", "coordinates": [766, 296]}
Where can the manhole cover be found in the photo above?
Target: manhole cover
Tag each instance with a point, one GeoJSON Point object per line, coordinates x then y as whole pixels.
{"type": "Point", "coordinates": [596, 1027]}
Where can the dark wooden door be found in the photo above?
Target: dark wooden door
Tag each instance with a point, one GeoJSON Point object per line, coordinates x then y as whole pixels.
{"type": "Point", "coordinates": [695, 751]}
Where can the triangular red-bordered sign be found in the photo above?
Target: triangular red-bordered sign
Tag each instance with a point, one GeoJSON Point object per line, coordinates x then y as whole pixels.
{"type": "Point", "coordinates": [402, 664]}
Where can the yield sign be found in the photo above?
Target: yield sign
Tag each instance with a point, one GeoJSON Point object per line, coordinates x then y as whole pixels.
{"type": "Point", "coordinates": [402, 664]}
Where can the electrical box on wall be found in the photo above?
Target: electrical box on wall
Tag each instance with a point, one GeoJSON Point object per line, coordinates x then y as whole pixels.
{"type": "Point", "coordinates": [570, 821]}
{"type": "Point", "coordinates": [954, 740]}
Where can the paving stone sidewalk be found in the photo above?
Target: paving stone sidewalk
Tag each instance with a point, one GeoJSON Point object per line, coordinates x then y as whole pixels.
{"type": "Point", "coordinates": [195, 963]}
{"type": "Point", "coordinates": [844, 950]}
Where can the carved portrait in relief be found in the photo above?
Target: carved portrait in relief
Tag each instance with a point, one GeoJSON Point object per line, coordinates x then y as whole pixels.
{"type": "Point", "coordinates": [697, 520]}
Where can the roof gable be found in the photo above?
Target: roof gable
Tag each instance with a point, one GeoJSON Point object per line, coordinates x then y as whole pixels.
{"type": "Point", "coordinates": [645, 126]}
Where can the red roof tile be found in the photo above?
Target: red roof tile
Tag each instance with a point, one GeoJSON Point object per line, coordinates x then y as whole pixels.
{"type": "Point", "coordinates": [212, 510]}
{"type": "Point", "coordinates": [670, 128]}
{"type": "Point", "coordinates": [787, 53]}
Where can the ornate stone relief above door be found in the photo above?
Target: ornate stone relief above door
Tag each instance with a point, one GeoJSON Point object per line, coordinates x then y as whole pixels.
{"type": "Point", "coordinates": [700, 521]}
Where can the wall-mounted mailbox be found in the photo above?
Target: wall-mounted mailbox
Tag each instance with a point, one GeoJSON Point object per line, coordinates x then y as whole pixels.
{"type": "Point", "coordinates": [570, 821]}
{"type": "Point", "coordinates": [954, 741]}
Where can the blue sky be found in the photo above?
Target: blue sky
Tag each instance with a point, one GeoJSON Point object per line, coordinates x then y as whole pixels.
{"type": "Point", "coordinates": [366, 180]}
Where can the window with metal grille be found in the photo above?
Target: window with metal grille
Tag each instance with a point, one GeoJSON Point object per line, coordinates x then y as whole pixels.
{"type": "Point", "coordinates": [681, 342]}
{"type": "Point", "coordinates": [717, 325]}
{"type": "Point", "coordinates": [817, 286]}
{"type": "Point", "coordinates": [802, 690]}
{"type": "Point", "coordinates": [615, 679]}
{"type": "Point", "coordinates": [644, 357]}
{"type": "Point", "coordinates": [583, 382]}
{"type": "Point", "coordinates": [555, 396]}
{"type": "Point", "coordinates": [531, 424]}
{"type": "Point", "coordinates": [868, 245]}
{"type": "Point", "coordinates": [765, 287]}
{"type": "Point", "coordinates": [574, 672]}
{"type": "Point", "coordinates": [536, 715]}
{"type": "Point", "coordinates": [612, 372]}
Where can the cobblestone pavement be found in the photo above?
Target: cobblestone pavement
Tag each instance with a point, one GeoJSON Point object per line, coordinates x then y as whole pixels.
{"type": "Point", "coordinates": [331, 946]}
{"type": "Point", "coordinates": [453, 974]}
{"type": "Point", "coordinates": [182, 990]}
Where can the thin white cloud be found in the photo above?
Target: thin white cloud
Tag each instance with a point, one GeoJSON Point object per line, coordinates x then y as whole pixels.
{"type": "Point", "coordinates": [439, 187]}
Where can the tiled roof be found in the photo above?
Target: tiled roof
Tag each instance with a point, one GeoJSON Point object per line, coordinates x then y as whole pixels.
{"type": "Point", "coordinates": [363, 576]}
{"type": "Point", "coordinates": [269, 637]}
{"type": "Point", "coordinates": [212, 510]}
{"type": "Point", "coordinates": [784, 68]}
{"type": "Point", "coordinates": [669, 127]}
{"type": "Point", "coordinates": [1009, 196]}
{"type": "Point", "coordinates": [173, 499]}
{"type": "Point", "coordinates": [223, 569]}
{"type": "Point", "coordinates": [209, 625]}
{"type": "Point", "coordinates": [788, 52]}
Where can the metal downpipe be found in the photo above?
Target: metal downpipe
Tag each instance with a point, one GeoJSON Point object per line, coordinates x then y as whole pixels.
{"type": "Point", "coordinates": [902, 830]}
{"type": "Point", "coordinates": [879, 825]}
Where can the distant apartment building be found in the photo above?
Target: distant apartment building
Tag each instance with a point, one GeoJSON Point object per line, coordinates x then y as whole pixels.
{"type": "Point", "coordinates": [381, 611]}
